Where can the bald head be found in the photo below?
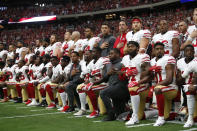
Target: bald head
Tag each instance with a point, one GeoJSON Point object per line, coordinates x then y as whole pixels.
{"type": "Point", "coordinates": [75, 35]}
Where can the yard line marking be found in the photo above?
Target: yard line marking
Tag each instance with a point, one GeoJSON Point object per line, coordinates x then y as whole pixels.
{"type": "Point", "coordinates": [96, 121]}
{"type": "Point", "coordinates": [14, 105]}
{"type": "Point", "coordinates": [22, 107]}
{"type": "Point", "coordinates": [40, 110]}
{"type": "Point", "coordinates": [71, 117]}
{"type": "Point", "coordinates": [192, 129]}
{"type": "Point", "coordinates": [140, 125]}
{"type": "Point", "coordinates": [10, 117]}
{"type": "Point", "coordinates": [79, 116]}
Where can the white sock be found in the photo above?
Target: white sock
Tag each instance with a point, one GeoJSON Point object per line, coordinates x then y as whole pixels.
{"type": "Point", "coordinates": [34, 100]}
{"type": "Point", "coordinates": [161, 117]}
{"type": "Point", "coordinates": [135, 101]}
{"type": "Point", "coordinates": [43, 98]}
{"type": "Point", "coordinates": [190, 105]}
{"type": "Point", "coordinates": [177, 106]}
{"type": "Point", "coordinates": [82, 97]}
{"type": "Point", "coordinates": [64, 98]}
{"type": "Point", "coordinates": [150, 114]}
{"type": "Point", "coordinates": [147, 105]}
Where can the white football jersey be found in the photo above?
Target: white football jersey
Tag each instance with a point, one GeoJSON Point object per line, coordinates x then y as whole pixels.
{"type": "Point", "coordinates": [191, 67]}
{"type": "Point", "coordinates": [79, 45]}
{"type": "Point", "coordinates": [36, 71]}
{"type": "Point", "coordinates": [182, 65]}
{"type": "Point", "coordinates": [23, 77]}
{"type": "Point", "coordinates": [27, 57]}
{"type": "Point", "coordinates": [194, 42]}
{"type": "Point", "coordinates": [67, 69]}
{"type": "Point", "coordinates": [10, 55]}
{"type": "Point", "coordinates": [84, 69]}
{"type": "Point", "coordinates": [163, 62]}
{"type": "Point", "coordinates": [19, 51]}
{"type": "Point", "coordinates": [66, 46]}
{"type": "Point", "coordinates": [90, 43]}
{"type": "Point", "coordinates": [44, 77]}
{"type": "Point", "coordinates": [3, 52]}
{"type": "Point", "coordinates": [135, 62]}
{"type": "Point", "coordinates": [56, 71]}
{"type": "Point", "coordinates": [48, 50]}
{"type": "Point", "coordinates": [40, 49]}
{"type": "Point", "coordinates": [97, 66]}
{"type": "Point", "coordinates": [166, 39]}
{"type": "Point", "coordinates": [12, 72]}
{"type": "Point", "coordinates": [131, 36]}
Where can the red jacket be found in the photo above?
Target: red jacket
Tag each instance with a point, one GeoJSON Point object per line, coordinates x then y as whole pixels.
{"type": "Point", "coordinates": [120, 39]}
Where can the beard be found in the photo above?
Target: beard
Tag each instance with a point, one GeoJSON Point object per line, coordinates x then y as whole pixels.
{"type": "Point", "coordinates": [133, 53]}
{"type": "Point", "coordinates": [160, 55]}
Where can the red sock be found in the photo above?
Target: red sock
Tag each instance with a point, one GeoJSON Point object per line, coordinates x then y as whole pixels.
{"type": "Point", "coordinates": [50, 92]}
{"type": "Point", "coordinates": [160, 104]}
{"type": "Point", "coordinates": [60, 90]}
{"type": "Point", "coordinates": [5, 92]}
{"type": "Point", "coordinates": [43, 92]}
{"type": "Point", "coordinates": [31, 90]}
{"type": "Point", "coordinates": [19, 90]}
{"type": "Point", "coordinates": [93, 99]}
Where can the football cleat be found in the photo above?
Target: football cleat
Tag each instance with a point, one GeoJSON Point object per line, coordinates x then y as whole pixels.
{"type": "Point", "coordinates": [159, 122]}
{"type": "Point", "coordinates": [28, 102]}
{"type": "Point", "coordinates": [33, 103]}
{"type": "Point", "coordinates": [80, 113]}
{"type": "Point", "coordinates": [188, 124]}
{"type": "Point", "coordinates": [94, 114]}
{"type": "Point", "coordinates": [51, 106]}
{"type": "Point", "coordinates": [133, 120]}
{"type": "Point", "coordinates": [65, 108]}
{"type": "Point", "coordinates": [4, 100]}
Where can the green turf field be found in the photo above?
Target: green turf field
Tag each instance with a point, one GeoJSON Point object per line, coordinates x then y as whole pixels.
{"type": "Point", "coordinates": [18, 117]}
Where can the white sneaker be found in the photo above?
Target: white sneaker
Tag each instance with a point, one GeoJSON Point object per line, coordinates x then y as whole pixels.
{"type": "Point", "coordinates": [33, 103]}
{"type": "Point", "coordinates": [80, 113]}
{"type": "Point", "coordinates": [133, 120]}
{"type": "Point", "coordinates": [159, 122]}
{"type": "Point", "coordinates": [189, 123]}
{"type": "Point", "coordinates": [60, 109]}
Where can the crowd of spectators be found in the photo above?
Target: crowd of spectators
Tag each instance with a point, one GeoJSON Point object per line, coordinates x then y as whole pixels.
{"type": "Point", "coordinates": [150, 21]}
{"type": "Point", "coordinates": [80, 6]}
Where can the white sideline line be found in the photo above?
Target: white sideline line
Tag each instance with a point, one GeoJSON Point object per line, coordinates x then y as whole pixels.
{"type": "Point", "coordinates": [191, 129]}
{"type": "Point", "coordinates": [10, 117]}
{"type": "Point", "coordinates": [140, 125]}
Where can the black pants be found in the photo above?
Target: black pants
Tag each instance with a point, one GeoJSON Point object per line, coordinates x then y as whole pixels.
{"type": "Point", "coordinates": [184, 97]}
{"type": "Point", "coordinates": [1, 93]}
{"type": "Point", "coordinates": [72, 93]}
{"type": "Point", "coordinates": [119, 96]}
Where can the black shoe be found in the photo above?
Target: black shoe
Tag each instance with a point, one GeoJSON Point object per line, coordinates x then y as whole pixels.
{"type": "Point", "coordinates": [19, 100]}
{"type": "Point", "coordinates": [43, 104]}
{"type": "Point", "coordinates": [110, 117]}
{"type": "Point", "coordinates": [70, 109]}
